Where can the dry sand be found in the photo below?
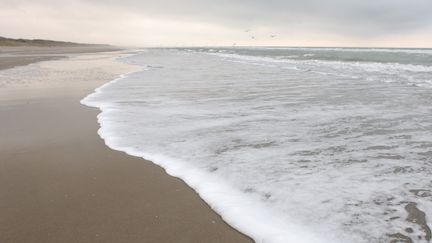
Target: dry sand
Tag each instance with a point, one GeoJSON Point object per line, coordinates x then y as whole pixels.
{"type": "Point", "coordinates": [60, 183]}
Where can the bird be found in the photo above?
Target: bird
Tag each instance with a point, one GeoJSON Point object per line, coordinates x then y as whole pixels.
{"type": "Point", "coordinates": [253, 37]}
{"type": "Point", "coordinates": [272, 36]}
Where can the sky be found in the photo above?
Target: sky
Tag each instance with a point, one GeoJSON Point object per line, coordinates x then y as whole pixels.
{"type": "Point", "coordinates": [353, 23]}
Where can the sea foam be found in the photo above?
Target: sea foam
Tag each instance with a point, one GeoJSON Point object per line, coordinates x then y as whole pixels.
{"type": "Point", "coordinates": [283, 154]}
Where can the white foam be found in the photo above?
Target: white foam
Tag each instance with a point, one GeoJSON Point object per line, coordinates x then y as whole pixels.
{"type": "Point", "coordinates": [388, 72]}
{"type": "Point", "coordinates": [248, 216]}
{"type": "Point", "coordinates": [393, 50]}
{"type": "Point", "coordinates": [283, 155]}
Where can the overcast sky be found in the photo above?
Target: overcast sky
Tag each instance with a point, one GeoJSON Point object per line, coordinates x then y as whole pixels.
{"type": "Point", "coordinates": [380, 23]}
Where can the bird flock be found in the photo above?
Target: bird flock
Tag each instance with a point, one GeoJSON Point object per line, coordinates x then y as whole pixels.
{"type": "Point", "coordinates": [253, 37]}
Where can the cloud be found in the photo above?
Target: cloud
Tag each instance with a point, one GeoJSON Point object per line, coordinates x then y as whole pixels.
{"type": "Point", "coordinates": [356, 17]}
{"type": "Point", "coordinates": [210, 21]}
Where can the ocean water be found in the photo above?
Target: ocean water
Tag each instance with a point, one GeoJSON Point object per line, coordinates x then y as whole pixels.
{"type": "Point", "coordinates": [286, 144]}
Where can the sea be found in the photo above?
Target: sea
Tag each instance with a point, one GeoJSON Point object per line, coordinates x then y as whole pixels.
{"type": "Point", "coordinates": [287, 144]}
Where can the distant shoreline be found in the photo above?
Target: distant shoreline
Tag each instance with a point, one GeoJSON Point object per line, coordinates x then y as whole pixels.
{"type": "Point", "coordinates": [41, 43]}
{"type": "Point", "coordinates": [13, 56]}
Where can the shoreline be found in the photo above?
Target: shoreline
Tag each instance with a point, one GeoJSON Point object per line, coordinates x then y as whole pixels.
{"type": "Point", "coordinates": [16, 61]}
{"type": "Point", "coordinates": [247, 216]}
{"type": "Point", "coordinates": [60, 182]}
{"type": "Point", "coordinates": [11, 57]}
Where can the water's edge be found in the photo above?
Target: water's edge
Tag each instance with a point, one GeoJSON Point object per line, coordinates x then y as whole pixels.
{"type": "Point", "coordinates": [285, 150]}
{"type": "Point", "coordinates": [252, 218]}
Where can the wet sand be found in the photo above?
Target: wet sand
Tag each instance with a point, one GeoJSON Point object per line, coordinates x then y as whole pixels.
{"type": "Point", "coordinates": [60, 183]}
{"type": "Point", "coordinates": [17, 56]}
{"type": "Point", "coordinates": [14, 61]}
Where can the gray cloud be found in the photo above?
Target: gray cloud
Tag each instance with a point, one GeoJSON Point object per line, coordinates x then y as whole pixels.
{"type": "Point", "coordinates": [349, 19]}
{"type": "Point", "coordinates": [353, 17]}
{"type": "Point", "coordinates": [350, 16]}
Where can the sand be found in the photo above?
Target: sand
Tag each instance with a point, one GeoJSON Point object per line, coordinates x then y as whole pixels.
{"type": "Point", "coordinates": [60, 183]}
{"type": "Point", "coordinates": [14, 61]}
{"type": "Point", "coordinates": [23, 55]}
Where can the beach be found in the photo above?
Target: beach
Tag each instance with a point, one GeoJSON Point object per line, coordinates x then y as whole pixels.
{"type": "Point", "coordinates": [12, 56]}
{"type": "Point", "coordinates": [215, 122]}
{"type": "Point", "coordinates": [199, 144]}
{"type": "Point", "coordinates": [59, 182]}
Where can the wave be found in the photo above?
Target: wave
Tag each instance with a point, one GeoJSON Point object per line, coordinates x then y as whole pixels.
{"type": "Point", "coordinates": [243, 213]}
{"type": "Point", "coordinates": [406, 73]}
{"type": "Point", "coordinates": [283, 156]}
{"type": "Point", "coordinates": [426, 51]}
